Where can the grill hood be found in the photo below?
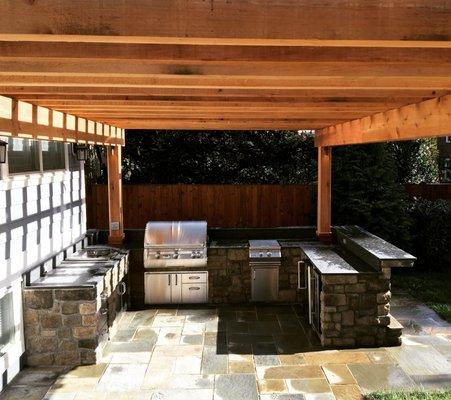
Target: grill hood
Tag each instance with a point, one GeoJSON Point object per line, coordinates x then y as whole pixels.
{"type": "Point", "coordinates": [175, 234]}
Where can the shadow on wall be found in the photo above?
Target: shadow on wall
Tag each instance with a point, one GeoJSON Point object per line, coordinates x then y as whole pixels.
{"type": "Point", "coordinates": [38, 220]}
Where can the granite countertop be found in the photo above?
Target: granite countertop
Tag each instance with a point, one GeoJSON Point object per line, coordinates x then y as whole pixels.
{"type": "Point", "coordinates": [68, 278]}
{"type": "Point", "coordinates": [228, 244]}
{"type": "Point", "coordinates": [179, 268]}
{"type": "Point", "coordinates": [244, 244]}
{"type": "Point", "coordinates": [76, 273]}
{"type": "Point", "coordinates": [288, 243]}
{"type": "Point", "coordinates": [326, 260]}
{"type": "Point", "coordinates": [373, 249]}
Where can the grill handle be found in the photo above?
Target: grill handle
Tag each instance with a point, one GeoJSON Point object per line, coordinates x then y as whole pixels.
{"type": "Point", "coordinates": [309, 295]}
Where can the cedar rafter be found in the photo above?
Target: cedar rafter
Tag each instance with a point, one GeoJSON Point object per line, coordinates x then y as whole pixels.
{"type": "Point", "coordinates": [429, 118]}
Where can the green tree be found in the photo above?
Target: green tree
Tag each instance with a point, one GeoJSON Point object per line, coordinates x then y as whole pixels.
{"type": "Point", "coordinates": [217, 157]}
{"type": "Point", "coordinates": [365, 192]}
{"type": "Point", "coordinates": [416, 161]}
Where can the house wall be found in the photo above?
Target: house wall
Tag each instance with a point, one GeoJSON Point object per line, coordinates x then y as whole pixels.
{"type": "Point", "coordinates": [41, 214]}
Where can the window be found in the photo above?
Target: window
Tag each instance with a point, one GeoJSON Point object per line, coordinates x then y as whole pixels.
{"type": "Point", "coordinates": [26, 155]}
{"type": "Point", "coordinates": [7, 328]}
{"type": "Point", "coordinates": [23, 155]}
{"type": "Point", "coordinates": [53, 155]}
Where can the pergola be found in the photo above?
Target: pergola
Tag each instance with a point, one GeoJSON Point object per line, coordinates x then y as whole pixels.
{"type": "Point", "coordinates": [355, 71]}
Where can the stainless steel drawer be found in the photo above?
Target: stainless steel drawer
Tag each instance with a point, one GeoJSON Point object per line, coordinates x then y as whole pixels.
{"type": "Point", "coordinates": [196, 277]}
{"type": "Point", "coordinates": [194, 293]}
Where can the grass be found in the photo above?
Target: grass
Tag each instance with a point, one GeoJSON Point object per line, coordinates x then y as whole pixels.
{"type": "Point", "coordinates": [415, 395]}
{"type": "Point", "coordinates": [433, 288]}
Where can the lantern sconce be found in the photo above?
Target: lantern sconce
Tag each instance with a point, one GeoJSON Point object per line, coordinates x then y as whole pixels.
{"type": "Point", "coordinates": [3, 146]}
{"type": "Point", "coordinates": [80, 151]}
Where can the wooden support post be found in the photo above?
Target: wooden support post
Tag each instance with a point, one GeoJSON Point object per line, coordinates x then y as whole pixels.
{"type": "Point", "coordinates": [324, 194]}
{"type": "Point", "coordinates": [116, 228]}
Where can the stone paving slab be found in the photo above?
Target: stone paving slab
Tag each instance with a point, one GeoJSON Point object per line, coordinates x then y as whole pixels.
{"type": "Point", "coordinates": [375, 377]}
{"type": "Point", "coordinates": [261, 353]}
{"type": "Point", "coordinates": [235, 387]}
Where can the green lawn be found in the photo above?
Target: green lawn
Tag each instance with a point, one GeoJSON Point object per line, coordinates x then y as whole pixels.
{"type": "Point", "coordinates": [433, 288]}
{"type": "Point", "coordinates": [417, 395]}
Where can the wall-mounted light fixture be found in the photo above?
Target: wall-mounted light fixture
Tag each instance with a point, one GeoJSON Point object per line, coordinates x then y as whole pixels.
{"type": "Point", "coordinates": [3, 145]}
{"type": "Point", "coordinates": [81, 151]}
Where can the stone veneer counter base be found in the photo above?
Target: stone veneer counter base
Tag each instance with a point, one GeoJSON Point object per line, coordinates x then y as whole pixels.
{"type": "Point", "coordinates": [68, 326]}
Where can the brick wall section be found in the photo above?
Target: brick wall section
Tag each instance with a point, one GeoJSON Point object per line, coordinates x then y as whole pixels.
{"type": "Point", "coordinates": [355, 310]}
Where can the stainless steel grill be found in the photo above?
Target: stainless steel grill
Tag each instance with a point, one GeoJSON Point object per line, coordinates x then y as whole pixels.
{"type": "Point", "coordinates": [175, 244]}
{"type": "Point", "coordinates": [264, 259]}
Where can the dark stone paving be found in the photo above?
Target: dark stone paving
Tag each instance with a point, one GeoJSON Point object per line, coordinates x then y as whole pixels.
{"type": "Point", "coordinates": [228, 353]}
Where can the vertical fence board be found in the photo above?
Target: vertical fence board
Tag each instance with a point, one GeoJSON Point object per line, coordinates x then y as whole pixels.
{"type": "Point", "coordinates": [227, 206]}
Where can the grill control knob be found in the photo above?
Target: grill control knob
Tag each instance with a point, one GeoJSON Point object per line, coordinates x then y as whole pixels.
{"type": "Point", "coordinates": [193, 255]}
{"type": "Point", "coordinates": [268, 254]}
{"type": "Point", "coordinates": [261, 254]}
{"type": "Point", "coordinates": [175, 255]}
{"type": "Point", "coordinates": [157, 255]}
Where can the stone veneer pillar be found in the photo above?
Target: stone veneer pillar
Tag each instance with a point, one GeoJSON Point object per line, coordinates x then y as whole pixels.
{"type": "Point", "coordinates": [355, 310]}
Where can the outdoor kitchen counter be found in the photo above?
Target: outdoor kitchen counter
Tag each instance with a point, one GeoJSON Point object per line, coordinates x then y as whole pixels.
{"type": "Point", "coordinates": [229, 244]}
{"type": "Point", "coordinates": [372, 249]}
{"type": "Point", "coordinates": [69, 313]}
{"type": "Point", "coordinates": [230, 273]}
{"type": "Point", "coordinates": [177, 269]}
{"type": "Point", "coordinates": [82, 275]}
{"type": "Point", "coordinates": [326, 260]}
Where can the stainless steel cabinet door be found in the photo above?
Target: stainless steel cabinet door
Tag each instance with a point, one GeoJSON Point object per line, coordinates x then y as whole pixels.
{"type": "Point", "coordinates": [157, 288]}
{"type": "Point", "coordinates": [176, 288]}
{"type": "Point", "coordinates": [194, 293]}
{"type": "Point", "coordinates": [265, 283]}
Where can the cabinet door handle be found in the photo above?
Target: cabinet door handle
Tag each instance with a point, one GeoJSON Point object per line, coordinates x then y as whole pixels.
{"type": "Point", "coordinates": [176, 279]}
{"type": "Point", "coordinates": [194, 277]}
{"type": "Point", "coordinates": [194, 288]}
{"type": "Point", "coordinates": [169, 280]}
{"type": "Point", "coordinates": [123, 288]}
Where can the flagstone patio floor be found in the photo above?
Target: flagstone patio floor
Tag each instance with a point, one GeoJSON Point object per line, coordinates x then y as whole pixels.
{"type": "Point", "coordinates": [244, 353]}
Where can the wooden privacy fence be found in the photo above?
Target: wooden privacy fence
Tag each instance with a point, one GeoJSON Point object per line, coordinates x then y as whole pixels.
{"type": "Point", "coordinates": [226, 206]}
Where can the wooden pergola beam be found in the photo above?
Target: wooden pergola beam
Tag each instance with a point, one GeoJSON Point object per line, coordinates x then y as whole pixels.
{"type": "Point", "coordinates": [228, 82]}
{"type": "Point", "coordinates": [218, 124]}
{"type": "Point", "coordinates": [28, 121]}
{"type": "Point", "coordinates": [186, 56]}
{"type": "Point", "coordinates": [92, 92]}
{"type": "Point", "coordinates": [341, 19]}
{"type": "Point", "coordinates": [429, 118]}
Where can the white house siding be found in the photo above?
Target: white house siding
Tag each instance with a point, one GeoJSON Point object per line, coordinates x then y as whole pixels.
{"type": "Point", "coordinates": [41, 214]}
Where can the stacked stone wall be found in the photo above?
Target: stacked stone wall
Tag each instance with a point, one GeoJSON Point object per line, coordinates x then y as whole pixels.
{"type": "Point", "coordinates": [61, 326]}
{"type": "Point", "coordinates": [355, 309]}
{"type": "Point", "coordinates": [230, 275]}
